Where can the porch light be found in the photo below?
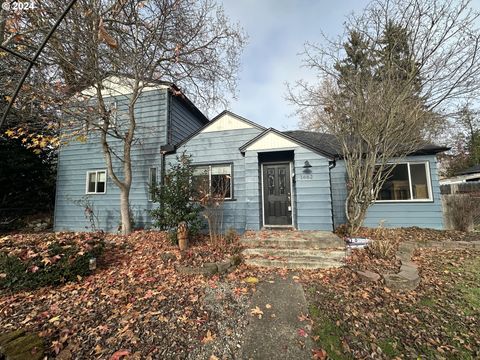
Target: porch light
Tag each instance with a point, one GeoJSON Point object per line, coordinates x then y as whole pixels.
{"type": "Point", "coordinates": [306, 165]}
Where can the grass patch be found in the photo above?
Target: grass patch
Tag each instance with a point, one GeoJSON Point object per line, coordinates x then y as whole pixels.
{"type": "Point", "coordinates": [328, 333]}
{"type": "Point", "coordinates": [469, 301]}
{"type": "Point", "coordinates": [389, 347]}
{"type": "Point", "coordinates": [472, 297]}
{"type": "Point", "coordinates": [427, 302]}
{"type": "Point", "coordinates": [311, 290]}
{"type": "Point", "coordinates": [355, 319]}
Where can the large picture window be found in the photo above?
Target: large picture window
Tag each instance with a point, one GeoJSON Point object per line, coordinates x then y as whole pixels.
{"type": "Point", "coordinates": [407, 182]}
{"type": "Point", "coordinates": [96, 182]}
{"type": "Point", "coordinates": [216, 180]}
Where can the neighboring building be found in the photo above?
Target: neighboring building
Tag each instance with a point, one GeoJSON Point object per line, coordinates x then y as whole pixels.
{"type": "Point", "coordinates": [472, 174]}
{"type": "Point", "coordinates": [275, 179]}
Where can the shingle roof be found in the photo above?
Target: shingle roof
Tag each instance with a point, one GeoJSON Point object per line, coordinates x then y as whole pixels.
{"type": "Point", "coordinates": [328, 143]}
{"type": "Point", "coordinates": [320, 141]}
{"type": "Point", "coordinates": [286, 134]}
{"type": "Point", "coordinates": [471, 170]}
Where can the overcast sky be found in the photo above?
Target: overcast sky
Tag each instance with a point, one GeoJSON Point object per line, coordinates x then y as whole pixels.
{"type": "Point", "coordinates": [277, 31]}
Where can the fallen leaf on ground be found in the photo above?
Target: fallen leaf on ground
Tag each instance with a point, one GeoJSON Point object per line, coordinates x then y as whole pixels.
{"type": "Point", "coordinates": [302, 333]}
{"type": "Point", "coordinates": [251, 280]}
{"type": "Point", "coordinates": [208, 338]}
{"type": "Point", "coordinates": [54, 319]}
{"type": "Point", "coordinates": [268, 306]}
{"type": "Point", "coordinates": [303, 317]}
{"type": "Point", "coordinates": [319, 354]}
{"type": "Point", "coordinates": [256, 312]}
{"type": "Point", "coordinates": [118, 354]}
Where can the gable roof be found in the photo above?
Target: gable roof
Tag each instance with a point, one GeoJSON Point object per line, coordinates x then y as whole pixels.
{"type": "Point", "coordinates": [287, 136]}
{"type": "Point", "coordinates": [322, 141]}
{"type": "Point", "coordinates": [328, 143]}
{"type": "Point", "coordinates": [215, 119]}
{"type": "Point", "coordinates": [113, 85]}
{"type": "Point", "coordinates": [118, 85]}
{"type": "Point", "coordinates": [238, 117]}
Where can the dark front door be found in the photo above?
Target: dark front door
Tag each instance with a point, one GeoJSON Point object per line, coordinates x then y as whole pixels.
{"type": "Point", "coordinates": [276, 194]}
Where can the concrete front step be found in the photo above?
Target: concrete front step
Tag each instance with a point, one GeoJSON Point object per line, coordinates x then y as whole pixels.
{"type": "Point", "coordinates": [295, 262]}
{"type": "Point", "coordinates": [293, 243]}
{"type": "Point", "coordinates": [313, 253]}
{"type": "Point", "coordinates": [294, 249]}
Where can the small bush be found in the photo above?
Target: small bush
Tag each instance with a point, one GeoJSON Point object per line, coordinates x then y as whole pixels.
{"type": "Point", "coordinates": [231, 236]}
{"type": "Point", "coordinates": [461, 210]}
{"type": "Point", "coordinates": [174, 197]}
{"type": "Point", "coordinates": [383, 246]}
{"type": "Point", "coordinates": [56, 261]}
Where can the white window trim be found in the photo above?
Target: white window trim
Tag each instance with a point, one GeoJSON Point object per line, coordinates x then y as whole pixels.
{"type": "Point", "coordinates": [96, 182]}
{"type": "Point", "coordinates": [210, 176]}
{"type": "Point", "coordinates": [429, 184]}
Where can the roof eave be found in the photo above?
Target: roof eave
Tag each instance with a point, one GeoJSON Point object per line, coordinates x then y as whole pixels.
{"type": "Point", "coordinates": [243, 148]}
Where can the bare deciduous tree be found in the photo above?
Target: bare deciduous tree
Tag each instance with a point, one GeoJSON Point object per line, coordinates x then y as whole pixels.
{"type": "Point", "coordinates": [211, 197]}
{"type": "Point", "coordinates": [386, 85]}
{"type": "Point", "coordinates": [137, 43]}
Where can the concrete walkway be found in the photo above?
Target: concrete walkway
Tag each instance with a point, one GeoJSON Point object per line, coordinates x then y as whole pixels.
{"type": "Point", "coordinates": [279, 334]}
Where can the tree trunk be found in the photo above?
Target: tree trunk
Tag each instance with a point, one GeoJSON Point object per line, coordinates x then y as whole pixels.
{"type": "Point", "coordinates": [125, 211]}
{"type": "Point", "coordinates": [355, 213]}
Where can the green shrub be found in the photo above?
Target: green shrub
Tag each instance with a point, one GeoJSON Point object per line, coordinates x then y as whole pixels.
{"type": "Point", "coordinates": [172, 236]}
{"type": "Point", "coordinates": [175, 199]}
{"type": "Point", "coordinates": [62, 261]}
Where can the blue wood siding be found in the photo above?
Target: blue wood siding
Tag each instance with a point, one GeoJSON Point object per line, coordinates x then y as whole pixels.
{"type": "Point", "coordinates": [421, 214]}
{"type": "Point", "coordinates": [253, 195]}
{"type": "Point", "coordinates": [76, 158]}
{"type": "Point", "coordinates": [312, 209]}
{"type": "Point", "coordinates": [313, 206]}
{"type": "Point", "coordinates": [222, 147]}
{"type": "Point", "coordinates": [183, 122]}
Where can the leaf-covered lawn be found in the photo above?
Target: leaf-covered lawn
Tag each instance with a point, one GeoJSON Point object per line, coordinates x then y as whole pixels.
{"type": "Point", "coordinates": [440, 319]}
{"type": "Point", "coordinates": [135, 302]}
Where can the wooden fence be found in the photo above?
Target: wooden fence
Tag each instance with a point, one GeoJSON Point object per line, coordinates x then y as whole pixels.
{"type": "Point", "coordinates": [468, 196]}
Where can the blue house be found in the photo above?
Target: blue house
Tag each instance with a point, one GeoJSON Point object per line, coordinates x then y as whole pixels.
{"type": "Point", "coordinates": [164, 116]}
{"type": "Point", "coordinates": [274, 179]}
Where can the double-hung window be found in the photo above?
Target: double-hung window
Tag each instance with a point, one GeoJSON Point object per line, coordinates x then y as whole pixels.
{"type": "Point", "coordinates": [215, 180]}
{"type": "Point", "coordinates": [408, 181]}
{"type": "Point", "coordinates": [96, 182]}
